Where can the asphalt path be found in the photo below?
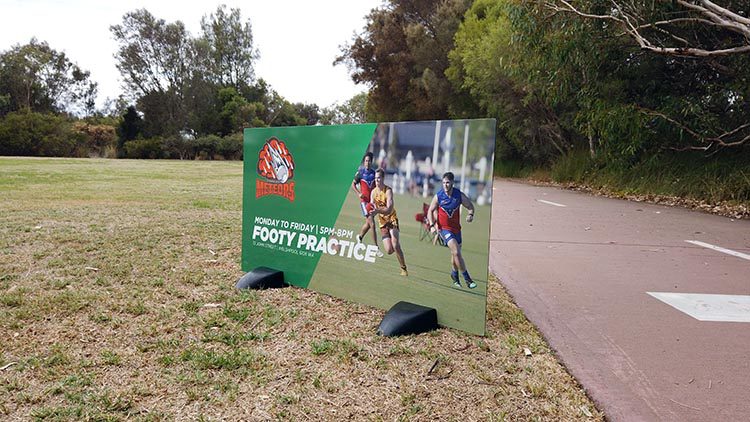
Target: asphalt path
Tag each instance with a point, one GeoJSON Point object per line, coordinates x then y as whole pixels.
{"type": "Point", "coordinates": [581, 267]}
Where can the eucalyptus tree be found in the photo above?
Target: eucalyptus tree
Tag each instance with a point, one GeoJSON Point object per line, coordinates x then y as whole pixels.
{"type": "Point", "coordinates": [697, 28]}
{"type": "Point", "coordinates": [556, 79]}
{"type": "Point", "coordinates": [351, 111]}
{"type": "Point", "coordinates": [704, 51]}
{"type": "Point", "coordinates": [38, 78]}
{"type": "Point", "coordinates": [155, 60]}
{"type": "Point", "coordinates": [231, 50]}
{"type": "Point", "coordinates": [498, 57]}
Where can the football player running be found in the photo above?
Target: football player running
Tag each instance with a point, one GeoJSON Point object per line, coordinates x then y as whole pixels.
{"type": "Point", "coordinates": [363, 183]}
{"type": "Point", "coordinates": [448, 203]}
{"type": "Point", "coordinates": [382, 200]}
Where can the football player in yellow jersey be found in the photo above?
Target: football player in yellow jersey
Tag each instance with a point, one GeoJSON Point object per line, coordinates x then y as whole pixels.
{"type": "Point", "coordinates": [382, 199]}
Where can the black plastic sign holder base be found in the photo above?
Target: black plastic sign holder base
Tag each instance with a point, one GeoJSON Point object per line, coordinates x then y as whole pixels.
{"type": "Point", "coordinates": [408, 318]}
{"type": "Point", "coordinates": [262, 278]}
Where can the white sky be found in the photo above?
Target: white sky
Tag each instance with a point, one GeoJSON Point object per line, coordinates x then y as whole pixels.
{"type": "Point", "coordinates": [298, 40]}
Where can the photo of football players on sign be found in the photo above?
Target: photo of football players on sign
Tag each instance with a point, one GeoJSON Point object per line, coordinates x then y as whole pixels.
{"type": "Point", "coordinates": [447, 203]}
{"type": "Point", "coordinates": [384, 208]}
{"type": "Point", "coordinates": [375, 213]}
{"type": "Point", "coordinates": [363, 184]}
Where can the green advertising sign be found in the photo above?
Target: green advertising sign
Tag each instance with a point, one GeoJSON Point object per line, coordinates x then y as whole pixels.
{"type": "Point", "coordinates": [305, 205]}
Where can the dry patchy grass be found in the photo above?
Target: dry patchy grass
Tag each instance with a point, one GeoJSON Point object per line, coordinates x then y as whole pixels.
{"type": "Point", "coordinates": [117, 302]}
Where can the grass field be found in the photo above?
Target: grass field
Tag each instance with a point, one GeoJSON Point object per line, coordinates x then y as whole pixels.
{"type": "Point", "coordinates": [429, 282]}
{"type": "Point", "coordinates": [117, 302]}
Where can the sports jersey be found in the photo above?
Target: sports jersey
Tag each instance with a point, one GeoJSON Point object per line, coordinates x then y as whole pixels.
{"type": "Point", "coordinates": [449, 214]}
{"type": "Point", "coordinates": [381, 201]}
{"type": "Point", "coordinates": [365, 177]}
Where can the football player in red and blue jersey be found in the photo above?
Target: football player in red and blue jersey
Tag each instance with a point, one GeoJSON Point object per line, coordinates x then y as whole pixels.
{"type": "Point", "coordinates": [447, 202]}
{"type": "Point", "coordinates": [363, 184]}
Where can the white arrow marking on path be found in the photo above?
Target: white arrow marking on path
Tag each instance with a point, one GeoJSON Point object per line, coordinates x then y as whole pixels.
{"type": "Point", "coordinates": [551, 203]}
{"type": "Point", "coordinates": [705, 307]}
{"type": "Point", "coordinates": [720, 249]}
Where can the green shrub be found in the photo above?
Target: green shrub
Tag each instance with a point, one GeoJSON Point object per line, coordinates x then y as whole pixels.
{"type": "Point", "coordinates": [206, 146]}
{"type": "Point", "coordinates": [145, 148]}
{"type": "Point", "coordinates": [230, 146]}
{"type": "Point", "coordinates": [38, 134]}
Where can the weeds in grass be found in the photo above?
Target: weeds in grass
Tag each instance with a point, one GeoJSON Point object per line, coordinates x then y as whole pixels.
{"type": "Point", "coordinates": [13, 385]}
{"type": "Point", "coordinates": [201, 358]}
{"type": "Point", "coordinates": [316, 382]}
{"type": "Point", "coordinates": [56, 357]}
{"type": "Point", "coordinates": [234, 339]}
{"type": "Point", "coordinates": [237, 314]}
{"type": "Point", "coordinates": [111, 358]}
{"type": "Point", "coordinates": [400, 349]}
{"type": "Point", "coordinates": [13, 299]}
{"type": "Point", "coordinates": [136, 308]}
{"type": "Point", "coordinates": [191, 308]}
{"type": "Point", "coordinates": [322, 347]}
{"type": "Point", "coordinates": [101, 317]}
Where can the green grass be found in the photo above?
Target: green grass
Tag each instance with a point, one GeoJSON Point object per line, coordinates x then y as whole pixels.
{"type": "Point", "coordinates": [379, 284]}
{"type": "Point", "coordinates": [117, 302]}
{"type": "Point", "coordinates": [512, 168]}
{"type": "Point", "coordinates": [714, 179]}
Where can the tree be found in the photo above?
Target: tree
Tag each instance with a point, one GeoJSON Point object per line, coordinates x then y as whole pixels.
{"type": "Point", "coordinates": [556, 80]}
{"type": "Point", "coordinates": [230, 48]}
{"type": "Point", "coordinates": [38, 78]}
{"type": "Point", "coordinates": [280, 112]}
{"type": "Point", "coordinates": [309, 112]}
{"type": "Point", "coordinates": [230, 147]}
{"type": "Point", "coordinates": [129, 129]}
{"type": "Point", "coordinates": [698, 28]}
{"type": "Point", "coordinates": [493, 62]}
{"type": "Point", "coordinates": [154, 59]}
{"type": "Point", "coordinates": [402, 56]}
{"type": "Point", "coordinates": [177, 80]}
{"type": "Point", "coordinates": [237, 113]}
{"type": "Point", "coordinates": [153, 56]}
{"type": "Point", "coordinates": [696, 54]}
{"type": "Point", "coordinates": [350, 112]}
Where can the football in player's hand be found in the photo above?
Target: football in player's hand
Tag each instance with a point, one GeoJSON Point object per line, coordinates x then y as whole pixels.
{"type": "Point", "coordinates": [370, 208]}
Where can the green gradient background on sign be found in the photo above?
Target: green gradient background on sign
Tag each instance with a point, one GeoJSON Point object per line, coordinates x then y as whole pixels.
{"type": "Point", "coordinates": [325, 159]}
{"type": "Point", "coordinates": [380, 284]}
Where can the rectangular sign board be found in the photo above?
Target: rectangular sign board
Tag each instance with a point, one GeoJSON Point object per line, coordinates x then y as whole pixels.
{"type": "Point", "coordinates": [306, 195]}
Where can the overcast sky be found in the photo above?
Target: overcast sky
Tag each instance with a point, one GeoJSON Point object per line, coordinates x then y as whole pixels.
{"type": "Point", "coordinates": [298, 40]}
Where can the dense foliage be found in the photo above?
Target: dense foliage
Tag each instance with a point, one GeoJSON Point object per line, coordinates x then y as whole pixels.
{"type": "Point", "coordinates": [559, 81]}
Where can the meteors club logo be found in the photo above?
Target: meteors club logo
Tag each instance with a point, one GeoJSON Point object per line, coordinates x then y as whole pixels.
{"type": "Point", "coordinates": [276, 165]}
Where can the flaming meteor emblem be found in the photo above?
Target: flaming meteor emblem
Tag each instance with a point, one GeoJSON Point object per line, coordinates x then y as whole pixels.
{"type": "Point", "coordinates": [276, 165]}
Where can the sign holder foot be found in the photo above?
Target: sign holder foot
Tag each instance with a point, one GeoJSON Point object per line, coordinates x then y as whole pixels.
{"type": "Point", "coordinates": [408, 318]}
{"type": "Point", "coordinates": [262, 278]}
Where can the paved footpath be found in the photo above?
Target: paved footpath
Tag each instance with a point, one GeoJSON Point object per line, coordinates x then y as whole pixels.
{"type": "Point", "coordinates": [647, 306]}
